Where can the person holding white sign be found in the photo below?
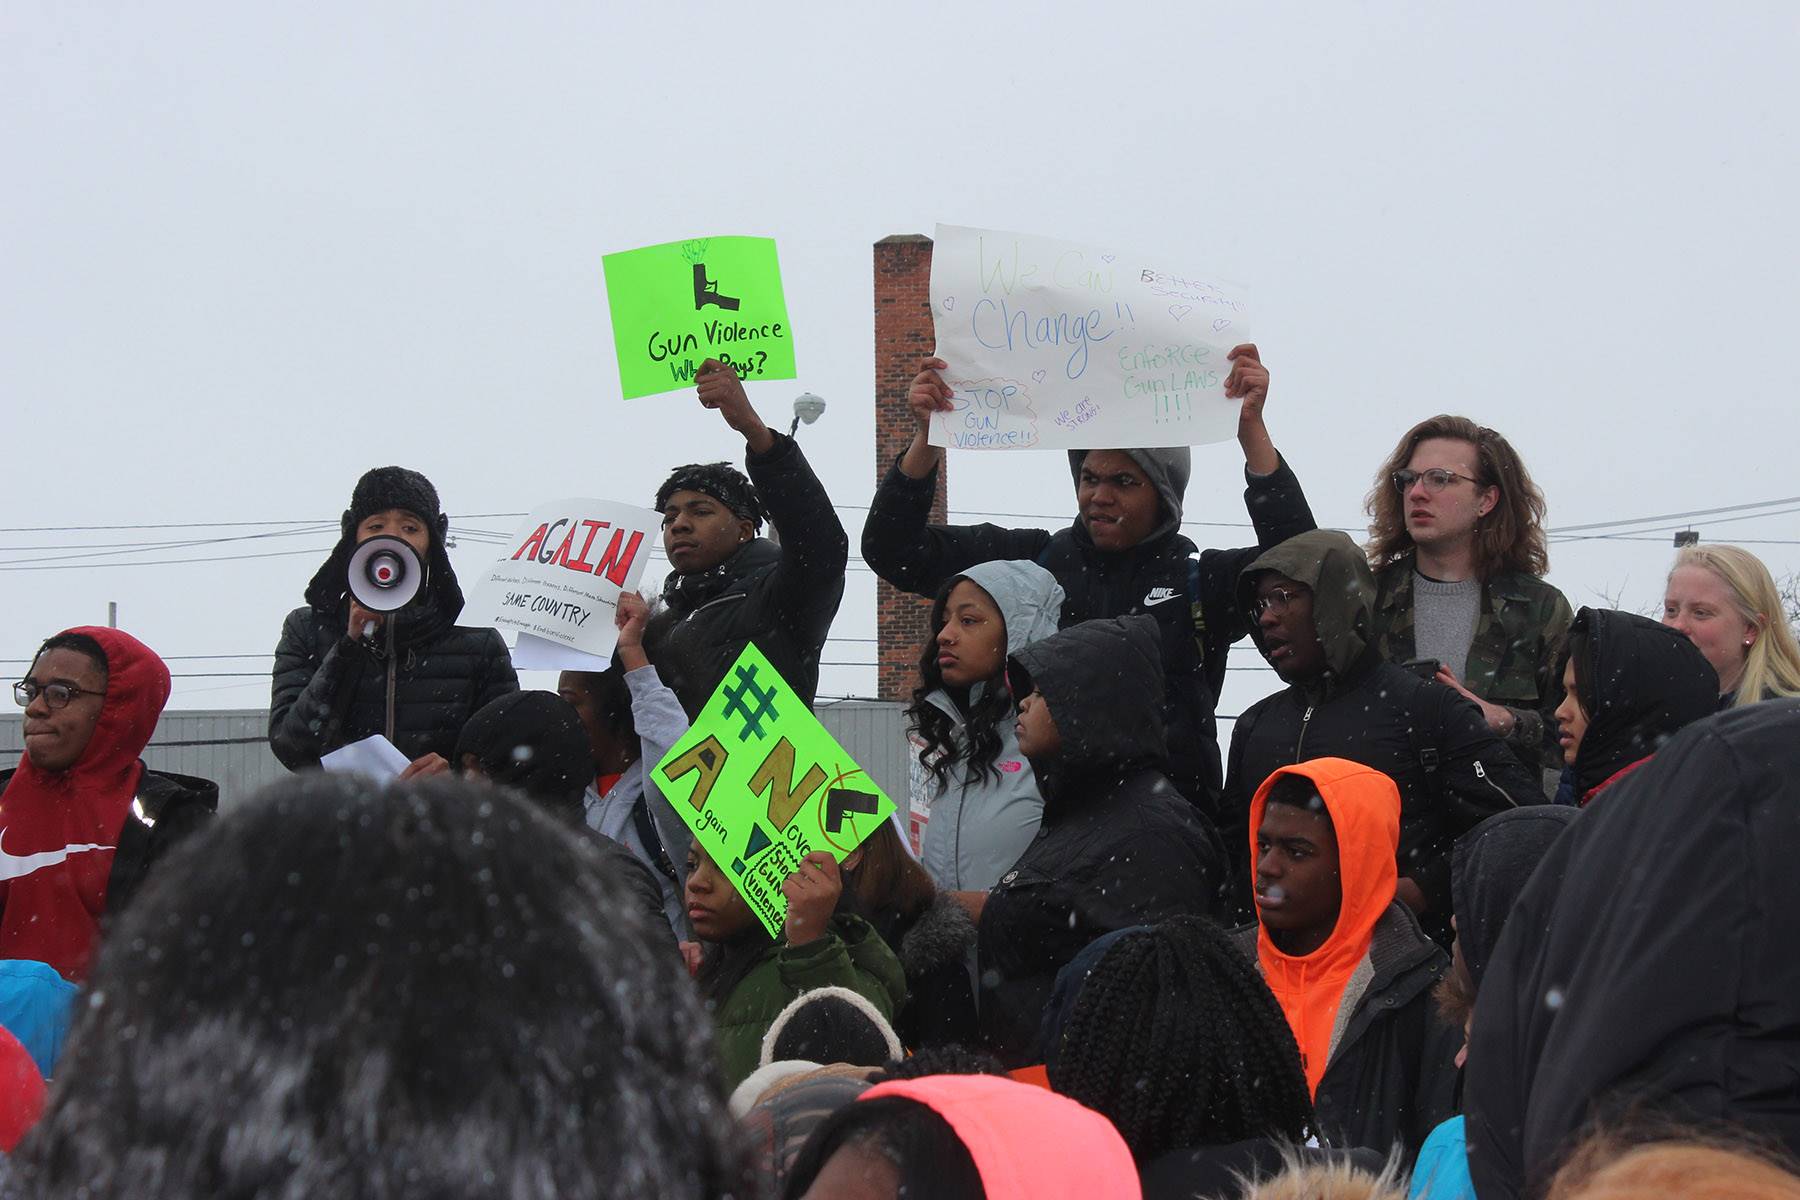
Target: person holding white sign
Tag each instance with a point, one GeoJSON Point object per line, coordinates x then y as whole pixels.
{"type": "Point", "coordinates": [729, 586]}
{"type": "Point", "coordinates": [1124, 554]}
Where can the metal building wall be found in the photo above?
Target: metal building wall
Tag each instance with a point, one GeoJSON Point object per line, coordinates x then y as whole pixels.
{"type": "Point", "coordinates": [873, 733]}
{"type": "Point", "coordinates": [236, 755]}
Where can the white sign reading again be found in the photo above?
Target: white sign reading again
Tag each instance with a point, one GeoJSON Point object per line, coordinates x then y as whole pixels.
{"type": "Point", "coordinates": [561, 580]}
{"type": "Point", "coordinates": [1056, 345]}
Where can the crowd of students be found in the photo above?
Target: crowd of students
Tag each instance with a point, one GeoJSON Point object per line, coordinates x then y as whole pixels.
{"type": "Point", "coordinates": [1491, 898]}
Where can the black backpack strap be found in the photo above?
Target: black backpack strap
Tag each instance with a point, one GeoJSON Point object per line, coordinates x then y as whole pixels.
{"type": "Point", "coordinates": [653, 843]}
{"type": "Point", "coordinates": [1426, 756]}
{"type": "Point", "coordinates": [1197, 607]}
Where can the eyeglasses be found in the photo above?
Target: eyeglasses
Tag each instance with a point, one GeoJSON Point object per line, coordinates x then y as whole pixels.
{"type": "Point", "coordinates": [1278, 601]}
{"type": "Point", "coordinates": [1436, 479]}
{"type": "Point", "coordinates": [56, 695]}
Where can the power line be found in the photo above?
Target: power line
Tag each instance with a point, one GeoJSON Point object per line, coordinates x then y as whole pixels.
{"type": "Point", "coordinates": [1698, 512]}
{"type": "Point", "coordinates": [74, 556]}
{"type": "Point", "coordinates": [162, 562]}
{"type": "Point", "coordinates": [102, 549]}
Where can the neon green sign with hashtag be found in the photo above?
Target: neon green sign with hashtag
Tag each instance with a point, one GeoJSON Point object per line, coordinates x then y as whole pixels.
{"type": "Point", "coordinates": [762, 784]}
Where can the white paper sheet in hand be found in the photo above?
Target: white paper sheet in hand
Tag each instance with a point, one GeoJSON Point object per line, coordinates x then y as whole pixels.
{"type": "Point", "coordinates": [560, 576]}
{"type": "Point", "coordinates": [1054, 345]}
{"type": "Point", "coordinates": [373, 756]}
{"type": "Point", "coordinates": [534, 653]}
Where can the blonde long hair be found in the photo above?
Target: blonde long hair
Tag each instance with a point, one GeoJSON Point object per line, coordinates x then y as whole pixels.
{"type": "Point", "coordinates": [1772, 663]}
{"type": "Point", "coordinates": [1694, 1168]}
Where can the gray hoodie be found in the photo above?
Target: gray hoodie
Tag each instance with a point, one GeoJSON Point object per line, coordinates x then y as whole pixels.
{"type": "Point", "coordinates": [1168, 469]}
{"type": "Point", "coordinates": [977, 831]}
{"type": "Point", "coordinates": [660, 724]}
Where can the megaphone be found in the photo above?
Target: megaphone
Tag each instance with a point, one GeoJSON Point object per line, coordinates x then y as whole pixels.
{"type": "Point", "coordinates": [385, 574]}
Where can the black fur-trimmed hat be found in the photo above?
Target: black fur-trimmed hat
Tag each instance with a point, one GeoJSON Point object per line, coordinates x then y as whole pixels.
{"type": "Point", "coordinates": [382, 488]}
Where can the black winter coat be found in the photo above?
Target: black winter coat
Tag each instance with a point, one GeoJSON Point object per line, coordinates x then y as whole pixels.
{"type": "Point", "coordinates": [168, 809]}
{"type": "Point", "coordinates": [1453, 772]}
{"type": "Point", "coordinates": [783, 597]}
{"type": "Point", "coordinates": [331, 690]}
{"type": "Point", "coordinates": [936, 948]}
{"type": "Point", "coordinates": [1391, 1078]}
{"type": "Point", "coordinates": [1190, 592]}
{"type": "Point", "coordinates": [1649, 966]}
{"type": "Point", "coordinates": [1119, 846]}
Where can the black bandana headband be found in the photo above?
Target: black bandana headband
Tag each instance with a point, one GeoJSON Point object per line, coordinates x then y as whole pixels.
{"type": "Point", "coordinates": [722, 482]}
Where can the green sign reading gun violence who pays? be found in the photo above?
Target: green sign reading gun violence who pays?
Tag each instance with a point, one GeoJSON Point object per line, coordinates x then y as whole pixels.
{"type": "Point", "coordinates": [678, 304]}
{"type": "Point", "coordinates": [762, 784]}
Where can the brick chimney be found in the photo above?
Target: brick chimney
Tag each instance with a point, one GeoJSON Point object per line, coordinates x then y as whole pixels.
{"type": "Point", "coordinates": [903, 336]}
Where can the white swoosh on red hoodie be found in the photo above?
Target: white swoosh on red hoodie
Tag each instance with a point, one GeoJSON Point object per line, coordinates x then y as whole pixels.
{"type": "Point", "coordinates": [13, 866]}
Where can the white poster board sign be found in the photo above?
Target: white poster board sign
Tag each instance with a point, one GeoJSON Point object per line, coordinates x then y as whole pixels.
{"type": "Point", "coordinates": [560, 579]}
{"type": "Point", "coordinates": [1054, 345]}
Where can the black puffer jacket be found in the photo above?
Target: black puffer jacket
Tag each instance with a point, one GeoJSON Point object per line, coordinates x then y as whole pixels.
{"type": "Point", "coordinates": [168, 808]}
{"type": "Point", "coordinates": [1119, 846]}
{"type": "Point", "coordinates": [783, 597]}
{"type": "Point", "coordinates": [1190, 592]}
{"type": "Point", "coordinates": [1648, 968]}
{"type": "Point", "coordinates": [331, 690]}
{"type": "Point", "coordinates": [1452, 770]}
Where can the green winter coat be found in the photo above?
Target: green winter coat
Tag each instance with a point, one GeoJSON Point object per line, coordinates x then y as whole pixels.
{"type": "Point", "coordinates": [1512, 661]}
{"type": "Point", "coordinates": [851, 956]}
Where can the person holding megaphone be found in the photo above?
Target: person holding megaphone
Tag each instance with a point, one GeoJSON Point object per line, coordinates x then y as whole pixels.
{"type": "Point", "coordinates": [376, 643]}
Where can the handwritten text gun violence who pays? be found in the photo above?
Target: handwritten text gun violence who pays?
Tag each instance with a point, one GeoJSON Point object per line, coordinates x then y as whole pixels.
{"type": "Point", "coordinates": [1054, 345]}
{"type": "Point", "coordinates": [762, 784]}
{"type": "Point", "coordinates": [680, 303]}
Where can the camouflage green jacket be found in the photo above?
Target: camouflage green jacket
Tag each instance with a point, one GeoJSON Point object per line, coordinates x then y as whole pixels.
{"type": "Point", "coordinates": [1512, 661]}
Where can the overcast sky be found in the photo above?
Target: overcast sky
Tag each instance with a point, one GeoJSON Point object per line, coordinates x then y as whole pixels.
{"type": "Point", "coordinates": [247, 251]}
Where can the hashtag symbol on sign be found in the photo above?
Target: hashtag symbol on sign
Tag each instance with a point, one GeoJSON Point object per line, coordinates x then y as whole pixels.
{"type": "Point", "coordinates": [735, 706]}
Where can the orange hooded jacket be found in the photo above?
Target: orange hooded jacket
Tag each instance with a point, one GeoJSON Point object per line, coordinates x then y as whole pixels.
{"type": "Point", "coordinates": [1364, 806]}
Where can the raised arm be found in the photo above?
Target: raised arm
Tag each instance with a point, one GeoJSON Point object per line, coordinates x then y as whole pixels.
{"type": "Point", "coordinates": [659, 718]}
{"type": "Point", "coordinates": [809, 583]}
{"type": "Point", "coordinates": [898, 541]}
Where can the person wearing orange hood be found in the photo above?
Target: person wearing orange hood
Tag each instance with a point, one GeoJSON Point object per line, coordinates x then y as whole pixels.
{"type": "Point", "coordinates": [964, 1137]}
{"type": "Point", "coordinates": [1348, 963]}
{"type": "Point", "coordinates": [82, 819]}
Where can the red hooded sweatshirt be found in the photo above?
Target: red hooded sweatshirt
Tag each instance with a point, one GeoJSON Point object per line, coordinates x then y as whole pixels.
{"type": "Point", "coordinates": [58, 829]}
{"type": "Point", "coordinates": [1364, 806]}
{"type": "Point", "coordinates": [1027, 1143]}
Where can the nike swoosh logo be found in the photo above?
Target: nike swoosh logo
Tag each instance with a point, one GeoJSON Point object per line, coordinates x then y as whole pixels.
{"type": "Point", "coordinates": [14, 866]}
{"type": "Point", "coordinates": [1152, 598]}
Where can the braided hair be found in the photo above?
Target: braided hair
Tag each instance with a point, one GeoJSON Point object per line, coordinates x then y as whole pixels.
{"type": "Point", "coordinates": [979, 747]}
{"type": "Point", "coordinates": [1175, 1038]}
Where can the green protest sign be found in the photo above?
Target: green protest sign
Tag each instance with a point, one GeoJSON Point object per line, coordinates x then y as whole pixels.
{"type": "Point", "coordinates": [762, 784]}
{"type": "Point", "coordinates": [678, 304]}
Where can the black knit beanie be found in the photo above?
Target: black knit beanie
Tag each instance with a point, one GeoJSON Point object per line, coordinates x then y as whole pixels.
{"type": "Point", "coordinates": [383, 488]}
{"type": "Point", "coordinates": [535, 742]}
{"type": "Point", "coordinates": [723, 482]}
